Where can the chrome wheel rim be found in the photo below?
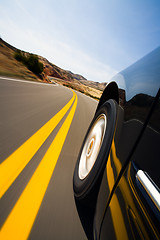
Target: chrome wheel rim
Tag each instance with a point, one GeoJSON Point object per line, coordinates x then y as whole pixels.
{"type": "Point", "coordinates": [92, 146]}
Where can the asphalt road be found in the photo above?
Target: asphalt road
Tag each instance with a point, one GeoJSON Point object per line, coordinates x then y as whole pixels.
{"type": "Point", "coordinates": [42, 128]}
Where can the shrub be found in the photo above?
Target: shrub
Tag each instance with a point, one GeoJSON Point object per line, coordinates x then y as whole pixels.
{"type": "Point", "coordinates": [34, 65]}
{"type": "Point", "coordinates": [31, 61]}
{"type": "Point", "coordinates": [19, 56]}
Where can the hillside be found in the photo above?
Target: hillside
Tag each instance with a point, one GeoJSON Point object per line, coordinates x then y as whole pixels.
{"type": "Point", "coordinates": [9, 66]}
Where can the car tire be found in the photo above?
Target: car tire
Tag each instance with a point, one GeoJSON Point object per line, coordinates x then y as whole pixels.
{"type": "Point", "coordinates": [94, 153]}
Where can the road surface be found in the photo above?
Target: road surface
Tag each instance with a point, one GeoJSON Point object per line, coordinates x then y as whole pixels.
{"type": "Point", "coordinates": [42, 127]}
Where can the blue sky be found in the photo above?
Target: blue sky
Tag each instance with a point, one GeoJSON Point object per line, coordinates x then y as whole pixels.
{"type": "Point", "coordinates": [95, 38]}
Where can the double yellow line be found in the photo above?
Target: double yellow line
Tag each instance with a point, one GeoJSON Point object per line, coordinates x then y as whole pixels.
{"type": "Point", "coordinates": [20, 221]}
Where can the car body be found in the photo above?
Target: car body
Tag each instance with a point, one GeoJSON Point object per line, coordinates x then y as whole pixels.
{"type": "Point", "coordinates": [123, 202]}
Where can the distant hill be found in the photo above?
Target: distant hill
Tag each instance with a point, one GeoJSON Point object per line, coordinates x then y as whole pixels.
{"type": "Point", "coordinates": [77, 76]}
{"type": "Point", "coordinates": [53, 71]}
{"type": "Point", "coordinates": [9, 66]}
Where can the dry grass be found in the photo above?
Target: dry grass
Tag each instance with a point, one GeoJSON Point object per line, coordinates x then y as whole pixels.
{"type": "Point", "coordinates": [10, 67]}
{"type": "Point", "coordinates": [89, 91]}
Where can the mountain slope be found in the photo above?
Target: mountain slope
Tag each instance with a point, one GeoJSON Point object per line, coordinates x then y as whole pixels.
{"type": "Point", "coordinates": [9, 66]}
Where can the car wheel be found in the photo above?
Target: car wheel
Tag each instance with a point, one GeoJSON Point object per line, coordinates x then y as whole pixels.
{"type": "Point", "coordinates": [94, 152]}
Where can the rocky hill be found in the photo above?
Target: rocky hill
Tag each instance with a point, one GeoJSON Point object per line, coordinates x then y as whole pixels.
{"type": "Point", "coordinates": [9, 66]}
{"type": "Point", "coordinates": [52, 70]}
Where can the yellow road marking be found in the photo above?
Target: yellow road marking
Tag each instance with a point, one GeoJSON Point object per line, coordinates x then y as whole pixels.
{"type": "Point", "coordinates": [16, 162]}
{"type": "Point", "coordinates": [20, 221]}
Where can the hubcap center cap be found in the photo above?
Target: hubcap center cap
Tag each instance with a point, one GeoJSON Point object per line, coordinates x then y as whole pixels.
{"type": "Point", "coordinates": [90, 147]}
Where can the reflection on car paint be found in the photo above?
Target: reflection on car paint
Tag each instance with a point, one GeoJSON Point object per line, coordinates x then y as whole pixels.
{"type": "Point", "coordinates": [116, 213]}
{"type": "Point", "coordinates": [117, 216]}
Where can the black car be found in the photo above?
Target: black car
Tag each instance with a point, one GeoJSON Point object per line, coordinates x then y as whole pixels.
{"type": "Point", "coordinates": [116, 179]}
